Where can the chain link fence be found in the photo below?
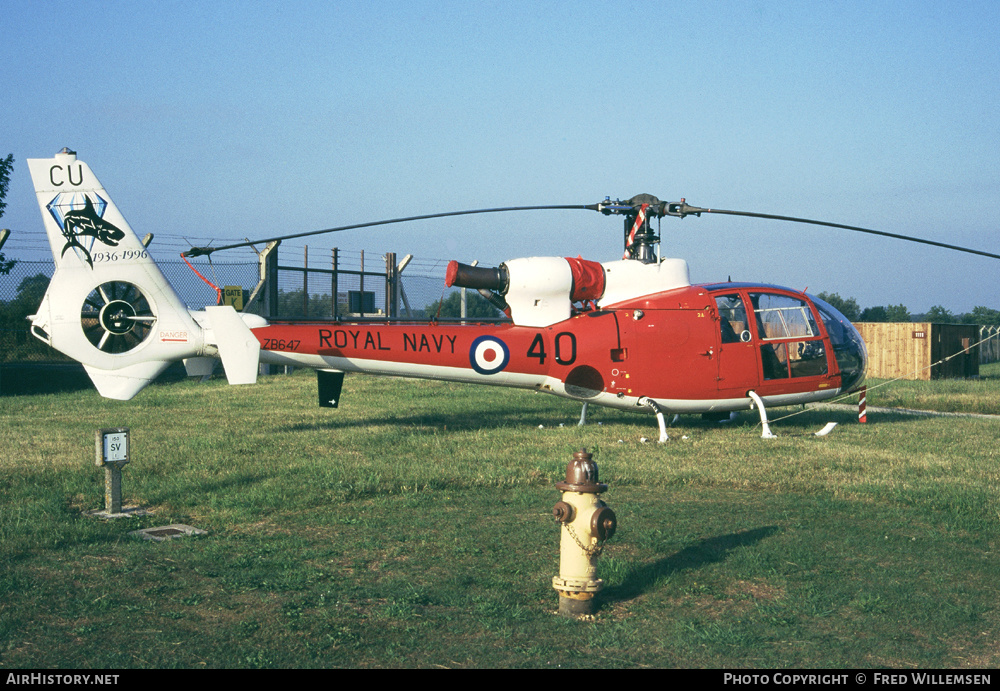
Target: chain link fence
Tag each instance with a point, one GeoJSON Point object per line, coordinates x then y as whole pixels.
{"type": "Point", "coordinates": [305, 289]}
{"type": "Point", "coordinates": [366, 285]}
{"type": "Point", "coordinates": [21, 293]}
{"type": "Point", "coordinates": [22, 289]}
{"type": "Point", "coordinates": [989, 348]}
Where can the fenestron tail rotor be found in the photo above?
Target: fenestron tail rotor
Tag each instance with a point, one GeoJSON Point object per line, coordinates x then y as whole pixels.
{"type": "Point", "coordinates": [117, 317]}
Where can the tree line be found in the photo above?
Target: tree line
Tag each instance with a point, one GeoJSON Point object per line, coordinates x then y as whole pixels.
{"type": "Point", "coordinates": [984, 316]}
{"type": "Point", "coordinates": [6, 166]}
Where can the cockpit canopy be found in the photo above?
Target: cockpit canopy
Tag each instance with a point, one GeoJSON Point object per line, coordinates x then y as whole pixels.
{"type": "Point", "coordinates": [785, 326]}
{"type": "Point", "coordinates": [848, 346]}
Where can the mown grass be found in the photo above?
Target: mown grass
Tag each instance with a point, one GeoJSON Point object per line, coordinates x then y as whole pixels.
{"type": "Point", "coordinates": [412, 528]}
{"type": "Point", "coordinates": [980, 395]}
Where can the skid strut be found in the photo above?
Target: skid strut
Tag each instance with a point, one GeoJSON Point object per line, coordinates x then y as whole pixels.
{"type": "Point", "coordinates": [766, 434]}
{"type": "Point", "coordinates": [645, 400]}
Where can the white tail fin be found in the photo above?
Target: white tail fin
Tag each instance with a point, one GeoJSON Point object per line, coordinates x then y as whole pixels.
{"type": "Point", "coordinates": [108, 305]}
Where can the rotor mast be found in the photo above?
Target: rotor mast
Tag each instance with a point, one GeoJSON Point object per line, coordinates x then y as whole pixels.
{"type": "Point", "coordinates": [640, 239]}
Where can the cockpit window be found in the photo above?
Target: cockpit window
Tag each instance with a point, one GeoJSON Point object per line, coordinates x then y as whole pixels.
{"type": "Point", "coordinates": [848, 346]}
{"type": "Point", "coordinates": [793, 359]}
{"type": "Point", "coordinates": [795, 348]}
{"type": "Point", "coordinates": [780, 316]}
{"type": "Point", "coordinates": [732, 318]}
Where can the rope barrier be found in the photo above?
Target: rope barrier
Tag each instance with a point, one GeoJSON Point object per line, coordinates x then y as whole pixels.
{"type": "Point", "coordinates": [886, 383]}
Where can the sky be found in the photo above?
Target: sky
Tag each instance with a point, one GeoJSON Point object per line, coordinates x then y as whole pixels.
{"type": "Point", "coordinates": [218, 121]}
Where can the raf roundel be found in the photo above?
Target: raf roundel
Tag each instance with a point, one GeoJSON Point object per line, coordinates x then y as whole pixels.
{"type": "Point", "coordinates": [489, 355]}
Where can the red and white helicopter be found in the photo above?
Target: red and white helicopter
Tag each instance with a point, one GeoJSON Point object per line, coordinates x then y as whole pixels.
{"type": "Point", "coordinates": [629, 334]}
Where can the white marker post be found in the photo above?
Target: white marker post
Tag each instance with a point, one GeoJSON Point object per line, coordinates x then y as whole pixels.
{"type": "Point", "coordinates": [113, 453]}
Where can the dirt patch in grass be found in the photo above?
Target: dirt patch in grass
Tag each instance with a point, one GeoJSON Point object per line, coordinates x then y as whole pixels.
{"type": "Point", "coordinates": [757, 590]}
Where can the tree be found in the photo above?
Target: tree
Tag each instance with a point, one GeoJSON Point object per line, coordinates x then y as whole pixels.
{"type": "Point", "coordinates": [30, 292]}
{"type": "Point", "coordinates": [898, 313]}
{"type": "Point", "coordinates": [984, 316]}
{"type": "Point", "coordinates": [892, 313]}
{"type": "Point", "coordinates": [939, 315]}
{"type": "Point", "coordinates": [476, 307]}
{"type": "Point", "coordinates": [874, 314]}
{"type": "Point", "coordinates": [293, 305]}
{"type": "Point", "coordinates": [13, 320]}
{"type": "Point", "coordinates": [849, 307]}
{"type": "Point", "coordinates": [6, 166]}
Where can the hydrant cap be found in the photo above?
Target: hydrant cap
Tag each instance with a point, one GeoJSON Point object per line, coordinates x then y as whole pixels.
{"type": "Point", "coordinates": [581, 475]}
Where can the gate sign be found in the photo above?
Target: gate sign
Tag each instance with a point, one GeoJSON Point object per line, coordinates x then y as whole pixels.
{"type": "Point", "coordinates": [113, 446]}
{"type": "Point", "coordinates": [233, 295]}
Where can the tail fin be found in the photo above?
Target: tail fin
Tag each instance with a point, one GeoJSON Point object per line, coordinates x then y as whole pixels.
{"type": "Point", "coordinates": [108, 305]}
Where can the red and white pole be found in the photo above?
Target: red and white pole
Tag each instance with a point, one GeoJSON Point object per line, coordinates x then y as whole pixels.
{"type": "Point", "coordinates": [862, 404]}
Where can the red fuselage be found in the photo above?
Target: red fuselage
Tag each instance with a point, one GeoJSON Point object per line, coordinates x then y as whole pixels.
{"type": "Point", "coordinates": [691, 349]}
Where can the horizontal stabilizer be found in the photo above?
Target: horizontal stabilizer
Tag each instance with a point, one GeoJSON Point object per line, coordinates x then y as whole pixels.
{"type": "Point", "coordinates": [124, 383]}
{"type": "Point", "coordinates": [238, 348]}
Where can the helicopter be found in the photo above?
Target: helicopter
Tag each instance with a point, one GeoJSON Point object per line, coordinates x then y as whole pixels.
{"type": "Point", "coordinates": [631, 334]}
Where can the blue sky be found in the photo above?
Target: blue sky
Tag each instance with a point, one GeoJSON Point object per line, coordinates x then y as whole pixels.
{"type": "Point", "coordinates": [209, 120]}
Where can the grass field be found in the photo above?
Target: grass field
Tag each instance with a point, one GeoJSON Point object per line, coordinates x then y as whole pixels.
{"type": "Point", "coordinates": [412, 528]}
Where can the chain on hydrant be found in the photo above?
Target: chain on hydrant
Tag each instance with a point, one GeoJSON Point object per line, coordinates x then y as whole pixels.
{"type": "Point", "coordinates": [587, 523]}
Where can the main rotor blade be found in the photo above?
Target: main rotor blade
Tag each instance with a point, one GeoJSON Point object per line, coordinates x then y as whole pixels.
{"type": "Point", "coordinates": [679, 209]}
{"type": "Point", "coordinates": [199, 251]}
{"type": "Point", "coordinates": [684, 210]}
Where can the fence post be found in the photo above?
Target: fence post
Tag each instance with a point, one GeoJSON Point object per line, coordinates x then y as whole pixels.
{"type": "Point", "coordinates": [333, 284]}
{"type": "Point", "coordinates": [269, 274]}
{"type": "Point", "coordinates": [400, 291]}
{"type": "Point", "coordinates": [989, 349]}
{"type": "Point", "coordinates": [305, 281]}
{"type": "Point", "coordinates": [361, 307]}
{"type": "Point", "coordinates": [391, 301]}
{"type": "Point", "coordinates": [464, 305]}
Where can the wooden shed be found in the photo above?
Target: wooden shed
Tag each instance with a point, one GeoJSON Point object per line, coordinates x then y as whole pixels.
{"type": "Point", "coordinates": [907, 350]}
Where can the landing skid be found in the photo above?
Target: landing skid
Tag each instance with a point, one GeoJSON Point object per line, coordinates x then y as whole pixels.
{"type": "Point", "coordinates": [659, 417]}
{"type": "Point", "coordinates": [766, 433]}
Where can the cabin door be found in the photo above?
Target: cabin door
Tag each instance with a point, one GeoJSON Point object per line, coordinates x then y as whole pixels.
{"type": "Point", "coordinates": [737, 355]}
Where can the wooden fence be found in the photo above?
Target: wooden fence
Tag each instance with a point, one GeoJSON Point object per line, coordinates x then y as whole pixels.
{"type": "Point", "coordinates": [922, 350]}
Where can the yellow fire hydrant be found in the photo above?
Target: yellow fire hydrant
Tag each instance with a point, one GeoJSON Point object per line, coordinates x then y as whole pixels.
{"type": "Point", "coordinates": [587, 523]}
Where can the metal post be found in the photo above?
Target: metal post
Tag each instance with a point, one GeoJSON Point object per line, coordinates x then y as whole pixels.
{"type": "Point", "coordinates": [113, 488]}
{"type": "Point", "coordinates": [333, 286]}
{"type": "Point", "coordinates": [305, 282]}
{"type": "Point", "coordinates": [463, 305]}
{"type": "Point", "coordinates": [270, 267]}
{"type": "Point", "coordinates": [391, 301]}
{"type": "Point", "coordinates": [113, 451]}
{"type": "Point", "coordinates": [400, 291]}
{"type": "Point", "coordinates": [361, 307]}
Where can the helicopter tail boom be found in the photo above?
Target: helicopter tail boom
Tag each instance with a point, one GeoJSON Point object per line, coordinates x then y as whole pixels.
{"type": "Point", "coordinates": [108, 306]}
